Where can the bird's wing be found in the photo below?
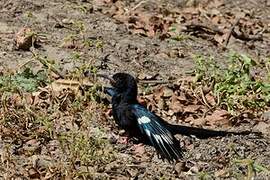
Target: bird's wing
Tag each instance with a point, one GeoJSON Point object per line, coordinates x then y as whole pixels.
{"type": "Point", "coordinates": [160, 137]}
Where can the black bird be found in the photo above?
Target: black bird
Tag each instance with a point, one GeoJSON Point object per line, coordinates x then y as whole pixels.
{"type": "Point", "coordinates": [139, 122]}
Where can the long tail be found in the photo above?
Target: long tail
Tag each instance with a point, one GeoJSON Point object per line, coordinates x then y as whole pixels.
{"type": "Point", "coordinates": [205, 133]}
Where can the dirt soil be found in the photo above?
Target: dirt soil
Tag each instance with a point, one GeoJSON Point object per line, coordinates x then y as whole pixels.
{"type": "Point", "coordinates": [151, 39]}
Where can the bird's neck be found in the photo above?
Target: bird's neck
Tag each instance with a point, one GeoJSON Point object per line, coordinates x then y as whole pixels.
{"type": "Point", "coordinates": [128, 96]}
{"type": "Point", "coordinates": [130, 100]}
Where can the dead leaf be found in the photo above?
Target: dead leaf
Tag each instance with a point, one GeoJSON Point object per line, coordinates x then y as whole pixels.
{"type": "Point", "coordinates": [220, 38]}
{"type": "Point", "coordinates": [170, 112]}
{"type": "Point", "coordinates": [182, 98]}
{"type": "Point", "coordinates": [132, 172]}
{"type": "Point", "coordinates": [175, 104]}
{"type": "Point", "coordinates": [62, 84]}
{"type": "Point", "coordinates": [210, 99]}
{"type": "Point", "coordinates": [33, 173]}
{"type": "Point", "coordinates": [222, 173]}
{"type": "Point", "coordinates": [198, 122]}
{"type": "Point", "coordinates": [31, 146]}
{"type": "Point", "coordinates": [219, 117]}
{"type": "Point", "coordinates": [158, 93]}
{"type": "Point", "coordinates": [139, 149]}
{"type": "Point", "coordinates": [192, 108]}
{"type": "Point", "coordinates": [189, 119]}
{"type": "Point", "coordinates": [25, 38]}
{"type": "Point", "coordinates": [266, 115]}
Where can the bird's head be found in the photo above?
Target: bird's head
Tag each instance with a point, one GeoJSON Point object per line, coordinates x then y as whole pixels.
{"type": "Point", "coordinates": [123, 83]}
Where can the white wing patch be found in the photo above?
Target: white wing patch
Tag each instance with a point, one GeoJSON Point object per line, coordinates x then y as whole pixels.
{"type": "Point", "coordinates": [160, 138]}
{"type": "Point", "coordinates": [143, 120]}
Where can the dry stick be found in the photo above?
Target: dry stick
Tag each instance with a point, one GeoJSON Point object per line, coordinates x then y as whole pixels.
{"type": "Point", "coordinates": [246, 37]}
{"type": "Point", "coordinates": [201, 27]}
{"type": "Point", "coordinates": [204, 99]}
{"type": "Point", "coordinates": [230, 32]}
{"type": "Point", "coordinates": [135, 7]}
{"type": "Point", "coordinates": [155, 81]}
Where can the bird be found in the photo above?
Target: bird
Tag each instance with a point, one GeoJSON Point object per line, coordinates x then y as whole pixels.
{"type": "Point", "coordinates": [146, 126]}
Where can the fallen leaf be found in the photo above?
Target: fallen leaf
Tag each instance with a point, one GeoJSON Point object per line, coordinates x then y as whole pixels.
{"type": "Point", "coordinates": [25, 38]}
{"type": "Point", "coordinates": [198, 122]}
{"type": "Point", "coordinates": [175, 105]}
{"type": "Point", "coordinates": [139, 149]}
{"type": "Point", "coordinates": [222, 173]}
{"type": "Point", "coordinates": [189, 119]}
{"type": "Point", "coordinates": [192, 108]}
{"type": "Point", "coordinates": [210, 99]}
{"type": "Point", "coordinates": [158, 93]}
{"type": "Point", "coordinates": [219, 117]}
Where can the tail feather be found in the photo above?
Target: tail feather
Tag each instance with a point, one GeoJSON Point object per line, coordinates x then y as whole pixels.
{"type": "Point", "coordinates": [204, 133]}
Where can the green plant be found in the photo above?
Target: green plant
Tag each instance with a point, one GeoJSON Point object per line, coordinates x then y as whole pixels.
{"type": "Point", "coordinates": [251, 167]}
{"type": "Point", "coordinates": [233, 84]}
{"type": "Point", "coordinates": [23, 81]}
{"type": "Point", "coordinates": [203, 175]}
{"type": "Point", "coordinates": [86, 148]}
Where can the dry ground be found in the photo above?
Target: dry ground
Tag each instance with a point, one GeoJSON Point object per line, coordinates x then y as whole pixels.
{"type": "Point", "coordinates": [50, 134]}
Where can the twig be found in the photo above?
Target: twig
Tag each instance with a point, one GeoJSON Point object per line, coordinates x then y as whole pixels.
{"type": "Point", "coordinates": [135, 166]}
{"type": "Point", "coordinates": [155, 81]}
{"type": "Point", "coordinates": [135, 7]}
{"type": "Point", "coordinates": [196, 96]}
{"type": "Point", "coordinates": [246, 37]}
{"type": "Point", "coordinates": [231, 31]}
{"type": "Point", "coordinates": [204, 99]}
{"type": "Point", "coordinates": [204, 28]}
